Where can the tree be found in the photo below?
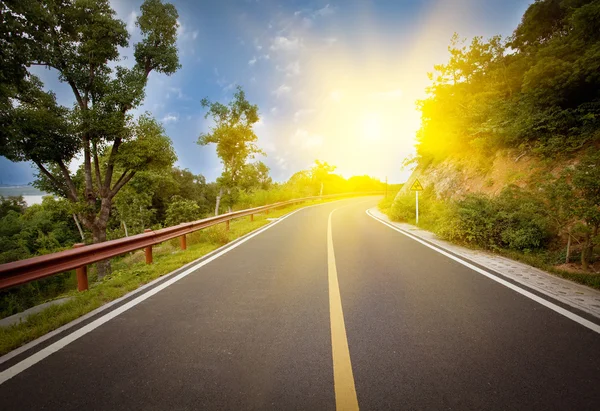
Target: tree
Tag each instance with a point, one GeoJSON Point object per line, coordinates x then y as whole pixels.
{"type": "Point", "coordinates": [255, 176]}
{"type": "Point", "coordinates": [181, 211]}
{"type": "Point", "coordinates": [586, 187]}
{"type": "Point", "coordinates": [234, 138]}
{"type": "Point", "coordinates": [80, 40]}
{"type": "Point", "coordinates": [320, 172]}
{"type": "Point", "coordinates": [7, 204]}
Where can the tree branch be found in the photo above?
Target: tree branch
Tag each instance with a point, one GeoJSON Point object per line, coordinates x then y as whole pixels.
{"type": "Point", "coordinates": [68, 180]}
{"type": "Point", "coordinates": [124, 179]}
{"type": "Point", "coordinates": [97, 169]}
{"type": "Point", "coordinates": [87, 165]}
{"type": "Point", "coordinates": [110, 166]}
{"type": "Point", "coordinates": [53, 180]}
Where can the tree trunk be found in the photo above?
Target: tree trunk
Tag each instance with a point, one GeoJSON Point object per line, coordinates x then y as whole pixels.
{"type": "Point", "coordinates": [587, 253]}
{"type": "Point", "coordinates": [321, 191]}
{"type": "Point", "coordinates": [584, 251]}
{"type": "Point", "coordinates": [125, 227]}
{"type": "Point", "coordinates": [98, 236]}
{"type": "Point", "coordinates": [567, 260]}
{"type": "Point", "coordinates": [229, 205]}
{"type": "Point", "coordinates": [218, 201]}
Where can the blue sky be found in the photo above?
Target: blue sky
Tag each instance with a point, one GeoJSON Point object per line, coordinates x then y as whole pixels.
{"type": "Point", "coordinates": [335, 81]}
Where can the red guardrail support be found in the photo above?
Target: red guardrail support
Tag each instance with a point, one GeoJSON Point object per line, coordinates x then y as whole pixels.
{"type": "Point", "coordinates": [183, 242]}
{"type": "Point", "coordinates": [148, 249]}
{"type": "Point", "coordinates": [227, 225]}
{"type": "Point", "coordinates": [251, 217]}
{"type": "Point", "coordinates": [82, 279]}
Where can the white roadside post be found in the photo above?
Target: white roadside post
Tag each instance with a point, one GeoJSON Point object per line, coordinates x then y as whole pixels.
{"type": "Point", "coordinates": [417, 202]}
{"type": "Point", "coordinates": [416, 187]}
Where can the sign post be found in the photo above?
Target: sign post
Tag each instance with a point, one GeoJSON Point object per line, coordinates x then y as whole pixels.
{"type": "Point", "coordinates": [416, 187]}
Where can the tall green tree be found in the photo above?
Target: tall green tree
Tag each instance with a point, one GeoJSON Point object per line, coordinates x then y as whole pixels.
{"type": "Point", "coordinates": [234, 138]}
{"type": "Point", "coordinates": [320, 173]}
{"type": "Point", "coordinates": [79, 40]}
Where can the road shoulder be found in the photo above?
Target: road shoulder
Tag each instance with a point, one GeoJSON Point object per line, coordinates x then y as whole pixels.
{"type": "Point", "coordinates": [566, 292]}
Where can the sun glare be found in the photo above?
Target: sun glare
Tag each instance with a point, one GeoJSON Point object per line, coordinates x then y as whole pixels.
{"type": "Point", "coordinates": [371, 127]}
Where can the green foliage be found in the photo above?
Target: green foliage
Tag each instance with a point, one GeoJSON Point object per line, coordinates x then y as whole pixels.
{"type": "Point", "coordinates": [537, 90]}
{"type": "Point", "coordinates": [234, 138]}
{"type": "Point", "coordinates": [181, 211]}
{"type": "Point", "coordinates": [80, 41]}
{"type": "Point", "coordinates": [516, 219]}
{"type": "Point", "coordinates": [36, 230]}
{"type": "Point", "coordinates": [16, 204]}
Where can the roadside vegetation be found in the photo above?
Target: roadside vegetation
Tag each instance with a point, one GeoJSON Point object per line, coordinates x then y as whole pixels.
{"type": "Point", "coordinates": [129, 273]}
{"type": "Point", "coordinates": [552, 226]}
{"type": "Point", "coordinates": [536, 94]}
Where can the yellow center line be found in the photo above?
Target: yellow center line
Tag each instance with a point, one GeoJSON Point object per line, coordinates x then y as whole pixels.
{"type": "Point", "coordinates": [343, 379]}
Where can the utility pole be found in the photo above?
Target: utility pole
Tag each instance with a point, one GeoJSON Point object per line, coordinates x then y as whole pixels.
{"type": "Point", "coordinates": [386, 186]}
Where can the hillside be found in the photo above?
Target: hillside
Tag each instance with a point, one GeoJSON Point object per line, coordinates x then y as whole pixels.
{"type": "Point", "coordinates": [509, 145]}
{"type": "Point", "coordinates": [455, 177]}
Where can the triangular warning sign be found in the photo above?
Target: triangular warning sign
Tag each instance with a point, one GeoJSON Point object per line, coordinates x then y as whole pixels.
{"type": "Point", "coordinates": [416, 186]}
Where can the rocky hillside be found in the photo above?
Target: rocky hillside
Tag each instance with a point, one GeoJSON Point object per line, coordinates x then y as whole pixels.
{"type": "Point", "coordinates": [454, 177]}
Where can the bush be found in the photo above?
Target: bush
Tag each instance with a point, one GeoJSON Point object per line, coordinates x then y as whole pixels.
{"type": "Point", "coordinates": [515, 220]}
{"type": "Point", "coordinates": [181, 211]}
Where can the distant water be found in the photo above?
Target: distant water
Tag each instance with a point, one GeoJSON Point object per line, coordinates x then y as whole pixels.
{"type": "Point", "coordinates": [31, 200]}
{"type": "Point", "coordinates": [31, 195]}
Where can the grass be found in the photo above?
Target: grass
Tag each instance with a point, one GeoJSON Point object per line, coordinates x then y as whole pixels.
{"type": "Point", "coordinates": [131, 272]}
{"type": "Point", "coordinates": [544, 260]}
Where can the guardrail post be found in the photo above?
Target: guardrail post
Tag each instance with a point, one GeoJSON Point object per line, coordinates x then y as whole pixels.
{"type": "Point", "coordinates": [148, 250]}
{"type": "Point", "coordinates": [82, 279]}
{"type": "Point", "coordinates": [183, 242]}
{"type": "Point", "coordinates": [227, 225]}
{"type": "Point", "coordinates": [251, 217]}
{"type": "Point", "coordinates": [267, 211]}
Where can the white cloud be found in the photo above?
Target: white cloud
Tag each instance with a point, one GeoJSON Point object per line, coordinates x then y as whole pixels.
{"type": "Point", "coordinates": [292, 69]}
{"type": "Point", "coordinates": [325, 11]}
{"type": "Point", "coordinates": [286, 44]}
{"type": "Point", "coordinates": [252, 61]}
{"type": "Point", "coordinates": [281, 162]}
{"type": "Point", "coordinates": [281, 90]}
{"type": "Point", "coordinates": [274, 110]}
{"type": "Point", "coordinates": [330, 41]}
{"type": "Point", "coordinates": [177, 91]}
{"type": "Point", "coordinates": [194, 34]}
{"type": "Point", "coordinates": [131, 22]}
{"type": "Point", "coordinates": [306, 141]}
{"type": "Point", "coordinates": [180, 29]}
{"type": "Point", "coordinates": [170, 118]}
{"type": "Point", "coordinates": [265, 57]}
{"type": "Point", "coordinates": [229, 87]}
{"type": "Point", "coordinates": [302, 113]}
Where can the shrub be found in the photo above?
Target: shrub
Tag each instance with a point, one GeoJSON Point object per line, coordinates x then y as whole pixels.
{"type": "Point", "coordinates": [516, 219]}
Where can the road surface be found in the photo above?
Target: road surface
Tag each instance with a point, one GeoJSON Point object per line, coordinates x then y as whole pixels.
{"type": "Point", "coordinates": [325, 308]}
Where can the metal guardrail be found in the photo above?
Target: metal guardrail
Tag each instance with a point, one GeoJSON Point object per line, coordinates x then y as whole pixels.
{"type": "Point", "coordinates": [36, 268]}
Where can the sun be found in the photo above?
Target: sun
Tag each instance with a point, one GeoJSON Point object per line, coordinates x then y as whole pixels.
{"type": "Point", "coordinates": [371, 127]}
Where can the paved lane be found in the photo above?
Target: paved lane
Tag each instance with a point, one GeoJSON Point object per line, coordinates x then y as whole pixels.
{"type": "Point", "coordinates": [426, 332]}
{"type": "Point", "coordinates": [250, 330]}
{"type": "Point", "coordinates": [254, 328]}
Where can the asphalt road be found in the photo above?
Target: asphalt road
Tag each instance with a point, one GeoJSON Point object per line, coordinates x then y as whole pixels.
{"type": "Point", "coordinates": [290, 319]}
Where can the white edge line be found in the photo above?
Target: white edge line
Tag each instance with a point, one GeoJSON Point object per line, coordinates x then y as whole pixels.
{"type": "Point", "coordinates": [572, 316]}
{"type": "Point", "coordinates": [54, 347]}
